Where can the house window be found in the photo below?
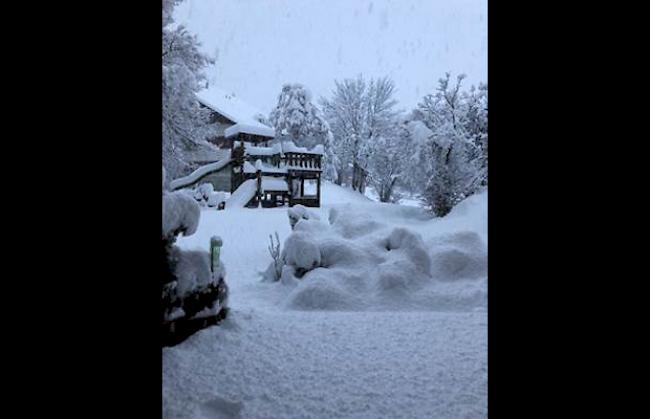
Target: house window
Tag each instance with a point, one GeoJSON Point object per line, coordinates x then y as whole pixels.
{"type": "Point", "coordinates": [310, 187]}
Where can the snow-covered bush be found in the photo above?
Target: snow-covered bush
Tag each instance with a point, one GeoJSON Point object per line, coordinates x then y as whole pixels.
{"type": "Point", "coordinates": [301, 252]}
{"type": "Point", "coordinates": [454, 154]}
{"type": "Point", "coordinates": [216, 198]}
{"type": "Point", "coordinates": [190, 287]}
{"type": "Point", "coordinates": [180, 214]}
{"type": "Point", "coordinates": [365, 259]}
{"type": "Point", "coordinates": [299, 212]}
{"type": "Point", "coordinates": [461, 255]}
{"type": "Point", "coordinates": [205, 194]}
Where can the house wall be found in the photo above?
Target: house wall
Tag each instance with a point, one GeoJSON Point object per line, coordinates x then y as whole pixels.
{"type": "Point", "coordinates": [220, 180]}
{"type": "Point", "coordinates": [220, 123]}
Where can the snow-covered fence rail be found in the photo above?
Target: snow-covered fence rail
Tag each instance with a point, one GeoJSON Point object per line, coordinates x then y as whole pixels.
{"type": "Point", "coordinates": [196, 175]}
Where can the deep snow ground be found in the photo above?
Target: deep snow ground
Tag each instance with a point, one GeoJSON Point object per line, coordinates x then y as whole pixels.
{"type": "Point", "coordinates": [267, 361]}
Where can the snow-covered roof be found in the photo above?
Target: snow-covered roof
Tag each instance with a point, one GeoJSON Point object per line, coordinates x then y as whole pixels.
{"type": "Point", "coordinates": [274, 184]}
{"type": "Point", "coordinates": [279, 148]}
{"type": "Point", "coordinates": [241, 113]}
{"type": "Point", "coordinates": [262, 151]}
{"type": "Point", "coordinates": [259, 129]}
{"type": "Point", "coordinates": [290, 147]}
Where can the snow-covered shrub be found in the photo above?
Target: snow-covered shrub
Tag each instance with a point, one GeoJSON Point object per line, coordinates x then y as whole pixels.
{"type": "Point", "coordinates": [206, 189]}
{"type": "Point", "coordinates": [299, 212]}
{"type": "Point", "coordinates": [365, 259]}
{"type": "Point", "coordinates": [198, 196]}
{"type": "Point", "coordinates": [202, 193]}
{"type": "Point", "coordinates": [461, 255]}
{"type": "Point", "coordinates": [301, 252]}
{"type": "Point", "coordinates": [180, 214]}
{"type": "Point", "coordinates": [216, 198]}
{"type": "Point", "coordinates": [412, 247]}
{"type": "Point", "coordinates": [190, 288]}
{"type": "Point", "coordinates": [205, 195]}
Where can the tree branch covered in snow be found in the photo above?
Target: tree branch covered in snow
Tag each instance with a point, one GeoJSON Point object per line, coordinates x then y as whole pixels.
{"type": "Point", "coordinates": [362, 117]}
{"type": "Point", "coordinates": [295, 118]}
{"type": "Point", "coordinates": [185, 123]}
{"type": "Point", "coordinates": [453, 156]}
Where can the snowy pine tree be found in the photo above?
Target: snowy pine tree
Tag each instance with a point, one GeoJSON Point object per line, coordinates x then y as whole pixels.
{"type": "Point", "coordinates": [297, 119]}
{"type": "Point", "coordinates": [185, 124]}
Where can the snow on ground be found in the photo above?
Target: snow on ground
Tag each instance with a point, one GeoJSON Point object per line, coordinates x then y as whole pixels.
{"type": "Point", "coordinates": [424, 357]}
{"type": "Point", "coordinates": [405, 200]}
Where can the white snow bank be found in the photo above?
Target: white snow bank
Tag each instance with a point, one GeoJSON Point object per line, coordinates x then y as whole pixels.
{"type": "Point", "coordinates": [461, 255]}
{"type": "Point", "coordinates": [181, 213]}
{"type": "Point", "coordinates": [375, 257]}
{"type": "Point", "coordinates": [198, 174]}
{"type": "Point", "coordinates": [242, 195]}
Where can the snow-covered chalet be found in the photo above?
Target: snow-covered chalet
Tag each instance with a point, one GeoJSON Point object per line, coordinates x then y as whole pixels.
{"type": "Point", "coordinates": [245, 159]}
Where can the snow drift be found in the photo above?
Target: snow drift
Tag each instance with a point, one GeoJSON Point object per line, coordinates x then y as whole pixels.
{"type": "Point", "coordinates": [368, 258]}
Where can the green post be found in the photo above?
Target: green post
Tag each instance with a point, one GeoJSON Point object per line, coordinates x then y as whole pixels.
{"type": "Point", "coordinates": [215, 248]}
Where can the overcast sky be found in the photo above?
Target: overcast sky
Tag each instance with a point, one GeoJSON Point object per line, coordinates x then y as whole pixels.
{"type": "Point", "coordinates": [261, 44]}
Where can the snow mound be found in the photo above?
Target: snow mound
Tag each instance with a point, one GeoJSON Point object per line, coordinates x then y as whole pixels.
{"type": "Point", "coordinates": [215, 198]}
{"type": "Point", "coordinates": [181, 213]}
{"type": "Point", "coordinates": [205, 189]}
{"type": "Point", "coordinates": [301, 252]}
{"type": "Point", "coordinates": [460, 255]}
{"type": "Point", "coordinates": [322, 294]}
{"type": "Point", "coordinates": [354, 227]}
{"type": "Point", "coordinates": [354, 262]}
{"type": "Point", "coordinates": [300, 212]}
